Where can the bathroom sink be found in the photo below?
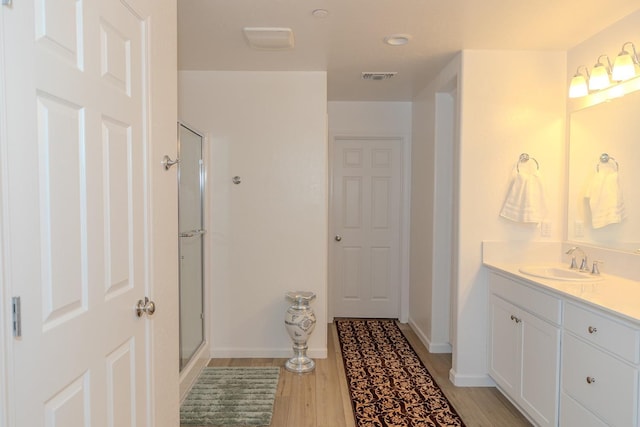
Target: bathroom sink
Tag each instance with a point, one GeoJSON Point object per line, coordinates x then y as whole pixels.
{"type": "Point", "coordinates": [559, 273]}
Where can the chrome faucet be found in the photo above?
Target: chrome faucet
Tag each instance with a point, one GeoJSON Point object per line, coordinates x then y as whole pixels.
{"type": "Point", "coordinates": [583, 264]}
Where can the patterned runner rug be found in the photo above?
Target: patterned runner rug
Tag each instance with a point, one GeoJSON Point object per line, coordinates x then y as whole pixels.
{"type": "Point", "coordinates": [388, 383]}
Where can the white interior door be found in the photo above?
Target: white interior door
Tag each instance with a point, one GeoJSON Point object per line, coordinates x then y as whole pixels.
{"type": "Point", "coordinates": [366, 210]}
{"type": "Point", "coordinates": [78, 212]}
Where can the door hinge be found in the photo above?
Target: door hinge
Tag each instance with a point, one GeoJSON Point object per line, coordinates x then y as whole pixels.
{"type": "Point", "coordinates": [16, 317]}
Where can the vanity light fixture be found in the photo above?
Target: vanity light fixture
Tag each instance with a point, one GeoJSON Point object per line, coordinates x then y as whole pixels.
{"type": "Point", "coordinates": [624, 67]}
{"type": "Point", "coordinates": [578, 87]}
{"type": "Point", "coordinates": [600, 74]}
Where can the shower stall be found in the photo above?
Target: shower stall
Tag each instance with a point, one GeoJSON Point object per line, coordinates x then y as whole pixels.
{"type": "Point", "coordinates": [191, 180]}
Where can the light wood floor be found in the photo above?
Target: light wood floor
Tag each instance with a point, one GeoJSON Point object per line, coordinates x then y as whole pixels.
{"type": "Point", "coordinates": [321, 399]}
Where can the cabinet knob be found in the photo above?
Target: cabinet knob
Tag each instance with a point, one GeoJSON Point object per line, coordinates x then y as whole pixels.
{"type": "Point", "coordinates": [515, 319]}
{"type": "Point", "coordinates": [591, 380]}
{"type": "Point", "coordinates": [592, 329]}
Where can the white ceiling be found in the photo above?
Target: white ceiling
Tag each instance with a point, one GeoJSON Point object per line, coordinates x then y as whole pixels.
{"type": "Point", "coordinates": [350, 39]}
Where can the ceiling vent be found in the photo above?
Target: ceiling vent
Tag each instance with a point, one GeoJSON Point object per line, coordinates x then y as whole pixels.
{"type": "Point", "coordinates": [378, 76]}
{"type": "Point", "coordinates": [269, 38]}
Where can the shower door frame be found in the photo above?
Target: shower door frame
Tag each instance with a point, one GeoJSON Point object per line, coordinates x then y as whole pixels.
{"type": "Point", "coordinates": [183, 367]}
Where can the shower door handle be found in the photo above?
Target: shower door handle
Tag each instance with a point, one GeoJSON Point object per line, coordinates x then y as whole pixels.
{"type": "Point", "coordinates": [192, 233]}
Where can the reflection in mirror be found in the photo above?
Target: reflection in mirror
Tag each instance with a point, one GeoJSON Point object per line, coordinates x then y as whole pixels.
{"type": "Point", "coordinates": [604, 204]}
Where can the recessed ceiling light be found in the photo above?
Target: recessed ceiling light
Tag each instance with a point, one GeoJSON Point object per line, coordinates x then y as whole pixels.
{"type": "Point", "coordinates": [397, 39]}
{"type": "Point", "coordinates": [320, 13]}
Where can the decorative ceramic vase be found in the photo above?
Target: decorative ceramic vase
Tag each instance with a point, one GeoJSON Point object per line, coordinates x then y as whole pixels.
{"type": "Point", "coordinates": [300, 321]}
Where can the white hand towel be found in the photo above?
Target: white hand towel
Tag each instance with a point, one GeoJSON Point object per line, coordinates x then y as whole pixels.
{"type": "Point", "coordinates": [605, 199]}
{"type": "Point", "coordinates": [525, 201]}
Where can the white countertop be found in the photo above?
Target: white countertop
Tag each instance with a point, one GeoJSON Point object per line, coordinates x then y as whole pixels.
{"type": "Point", "coordinates": [617, 295]}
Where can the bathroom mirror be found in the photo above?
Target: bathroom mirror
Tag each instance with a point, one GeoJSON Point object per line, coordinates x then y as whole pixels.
{"type": "Point", "coordinates": [611, 127]}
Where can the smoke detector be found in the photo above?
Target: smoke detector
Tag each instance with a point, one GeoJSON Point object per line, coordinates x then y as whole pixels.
{"type": "Point", "coordinates": [378, 75]}
{"type": "Point", "coordinates": [269, 38]}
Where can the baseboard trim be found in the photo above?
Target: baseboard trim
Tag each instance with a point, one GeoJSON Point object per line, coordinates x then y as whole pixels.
{"type": "Point", "coordinates": [432, 347]}
{"type": "Point", "coordinates": [442, 347]}
{"type": "Point", "coordinates": [470, 380]}
{"type": "Point", "coordinates": [192, 371]}
{"type": "Point", "coordinates": [278, 353]}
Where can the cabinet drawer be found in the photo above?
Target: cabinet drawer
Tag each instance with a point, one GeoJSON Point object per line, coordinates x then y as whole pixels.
{"type": "Point", "coordinates": [542, 305]}
{"type": "Point", "coordinates": [574, 414]}
{"type": "Point", "coordinates": [599, 329]}
{"type": "Point", "coordinates": [611, 393]}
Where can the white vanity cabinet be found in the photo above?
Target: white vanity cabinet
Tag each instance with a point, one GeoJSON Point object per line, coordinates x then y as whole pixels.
{"type": "Point", "coordinates": [524, 346]}
{"type": "Point", "coordinates": [600, 360]}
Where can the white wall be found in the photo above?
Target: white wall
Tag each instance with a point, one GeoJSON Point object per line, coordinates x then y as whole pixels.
{"type": "Point", "coordinates": [381, 119]}
{"type": "Point", "coordinates": [268, 234]}
{"type": "Point", "coordinates": [374, 118]}
{"type": "Point", "coordinates": [431, 215]}
{"type": "Point", "coordinates": [509, 103]}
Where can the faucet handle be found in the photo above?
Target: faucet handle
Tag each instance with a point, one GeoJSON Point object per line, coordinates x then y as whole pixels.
{"type": "Point", "coordinates": [595, 270]}
{"type": "Point", "coordinates": [574, 264]}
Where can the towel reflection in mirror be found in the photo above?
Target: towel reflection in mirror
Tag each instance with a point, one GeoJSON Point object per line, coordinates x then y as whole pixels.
{"type": "Point", "coordinates": [604, 194]}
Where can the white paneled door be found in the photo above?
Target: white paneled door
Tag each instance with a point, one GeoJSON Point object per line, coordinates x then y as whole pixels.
{"type": "Point", "coordinates": [78, 212]}
{"type": "Point", "coordinates": [366, 210]}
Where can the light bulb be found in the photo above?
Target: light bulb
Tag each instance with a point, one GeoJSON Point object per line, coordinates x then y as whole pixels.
{"type": "Point", "coordinates": [578, 87]}
{"type": "Point", "coordinates": [624, 67]}
{"type": "Point", "coordinates": [599, 77]}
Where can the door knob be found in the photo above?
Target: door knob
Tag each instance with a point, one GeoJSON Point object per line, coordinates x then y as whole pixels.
{"type": "Point", "coordinates": [145, 306]}
{"type": "Point", "coordinates": [338, 238]}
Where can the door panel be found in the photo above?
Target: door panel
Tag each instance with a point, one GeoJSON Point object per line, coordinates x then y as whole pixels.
{"type": "Point", "coordinates": [366, 207]}
{"type": "Point", "coordinates": [78, 210]}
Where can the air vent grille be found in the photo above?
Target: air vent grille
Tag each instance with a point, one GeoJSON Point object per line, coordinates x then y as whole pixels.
{"type": "Point", "coordinates": [378, 75]}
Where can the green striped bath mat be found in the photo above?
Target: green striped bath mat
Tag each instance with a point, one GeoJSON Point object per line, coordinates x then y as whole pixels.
{"type": "Point", "coordinates": [231, 396]}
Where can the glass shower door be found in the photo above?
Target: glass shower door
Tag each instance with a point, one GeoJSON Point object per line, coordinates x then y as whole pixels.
{"type": "Point", "coordinates": [191, 228]}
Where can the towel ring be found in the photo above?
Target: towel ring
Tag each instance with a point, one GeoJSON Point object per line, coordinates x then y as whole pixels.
{"type": "Point", "coordinates": [604, 158]}
{"type": "Point", "coordinates": [524, 157]}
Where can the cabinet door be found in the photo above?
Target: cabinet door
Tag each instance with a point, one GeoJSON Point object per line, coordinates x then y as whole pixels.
{"type": "Point", "coordinates": [504, 345]}
{"type": "Point", "coordinates": [540, 369]}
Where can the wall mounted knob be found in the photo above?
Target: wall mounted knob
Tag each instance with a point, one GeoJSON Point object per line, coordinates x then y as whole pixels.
{"type": "Point", "coordinates": [167, 162]}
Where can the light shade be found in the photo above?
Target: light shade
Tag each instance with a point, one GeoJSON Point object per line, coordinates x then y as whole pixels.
{"type": "Point", "coordinates": [624, 67]}
{"type": "Point", "coordinates": [599, 78]}
{"type": "Point", "coordinates": [578, 87]}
